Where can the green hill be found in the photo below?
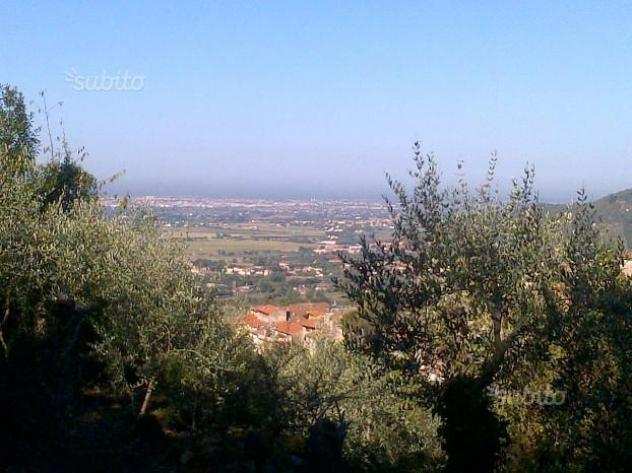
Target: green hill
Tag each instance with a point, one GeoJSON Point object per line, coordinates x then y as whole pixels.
{"type": "Point", "coordinates": [615, 212]}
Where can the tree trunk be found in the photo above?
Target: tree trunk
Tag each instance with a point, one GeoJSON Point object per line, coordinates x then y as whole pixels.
{"type": "Point", "coordinates": [150, 389]}
{"type": "Point", "coordinates": [499, 347]}
{"type": "Point", "coordinates": [497, 324]}
{"type": "Point", "coordinates": [7, 311]}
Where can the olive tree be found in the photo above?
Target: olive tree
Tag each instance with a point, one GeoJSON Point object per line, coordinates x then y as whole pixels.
{"type": "Point", "coordinates": [91, 303]}
{"type": "Point", "coordinates": [467, 295]}
{"type": "Point", "coordinates": [354, 413]}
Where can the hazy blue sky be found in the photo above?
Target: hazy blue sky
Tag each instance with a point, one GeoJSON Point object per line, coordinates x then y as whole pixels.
{"type": "Point", "coordinates": [318, 97]}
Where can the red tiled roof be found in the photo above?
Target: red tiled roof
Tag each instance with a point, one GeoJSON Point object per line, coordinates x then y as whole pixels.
{"type": "Point", "coordinates": [308, 323]}
{"type": "Point", "coordinates": [253, 322]}
{"type": "Point", "coordinates": [266, 309]}
{"type": "Point", "coordinates": [288, 328]}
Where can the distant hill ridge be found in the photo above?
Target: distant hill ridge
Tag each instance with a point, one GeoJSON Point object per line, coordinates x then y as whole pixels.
{"type": "Point", "coordinates": [613, 212]}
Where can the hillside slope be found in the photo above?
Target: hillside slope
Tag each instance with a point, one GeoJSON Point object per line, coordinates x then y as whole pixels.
{"type": "Point", "coordinates": [614, 211]}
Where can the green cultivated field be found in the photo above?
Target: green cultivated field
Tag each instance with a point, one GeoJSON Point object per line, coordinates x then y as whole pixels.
{"type": "Point", "coordinates": [208, 242]}
{"type": "Point", "coordinates": [201, 248]}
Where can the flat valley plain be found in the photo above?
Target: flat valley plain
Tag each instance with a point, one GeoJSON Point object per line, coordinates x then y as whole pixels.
{"type": "Point", "coordinates": [268, 251]}
{"type": "Point", "coordinates": [288, 250]}
{"type": "Point", "coordinates": [223, 242]}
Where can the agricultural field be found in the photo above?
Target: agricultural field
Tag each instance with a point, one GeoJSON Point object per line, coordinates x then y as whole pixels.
{"type": "Point", "coordinates": [235, 240]}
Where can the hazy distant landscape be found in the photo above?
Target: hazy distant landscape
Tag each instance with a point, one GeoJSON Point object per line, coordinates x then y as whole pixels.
{"type": "Point", "coordinates": [238, 245]}
{"type": "Point", "coordinates": [268, 250]}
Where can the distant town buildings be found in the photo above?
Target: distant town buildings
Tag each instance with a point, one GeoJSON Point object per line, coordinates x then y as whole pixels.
{"type": "Point", "coordinates": [295, 323]}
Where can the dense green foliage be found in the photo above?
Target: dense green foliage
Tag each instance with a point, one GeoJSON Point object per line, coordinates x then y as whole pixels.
{"type": "Point", "coordinates": [475, 296]}
{"type": "Point", "coordinates": [18, 139]}
{"type": "Point", "coordinates": [384, 428]}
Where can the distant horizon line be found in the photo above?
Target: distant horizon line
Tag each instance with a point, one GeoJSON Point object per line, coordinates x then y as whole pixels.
{"type": "Point", "coordinates": [305, 198]}
{"type": "Point", "coordinates": [244, 198]}
{"type": "Point", "coordinates": [550, 192]}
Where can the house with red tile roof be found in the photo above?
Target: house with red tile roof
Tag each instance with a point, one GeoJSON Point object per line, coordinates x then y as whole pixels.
{"type": "Point", "coordinates": [251, 321]}
{"type": "Point", "coordinates": [290, 331]}
{"type": "Point", "coordinates": [259, 330]}
{"type": "Point", "coordinates": [309, 324]}
{"type": "Point", "coordinates": [296, 323]}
